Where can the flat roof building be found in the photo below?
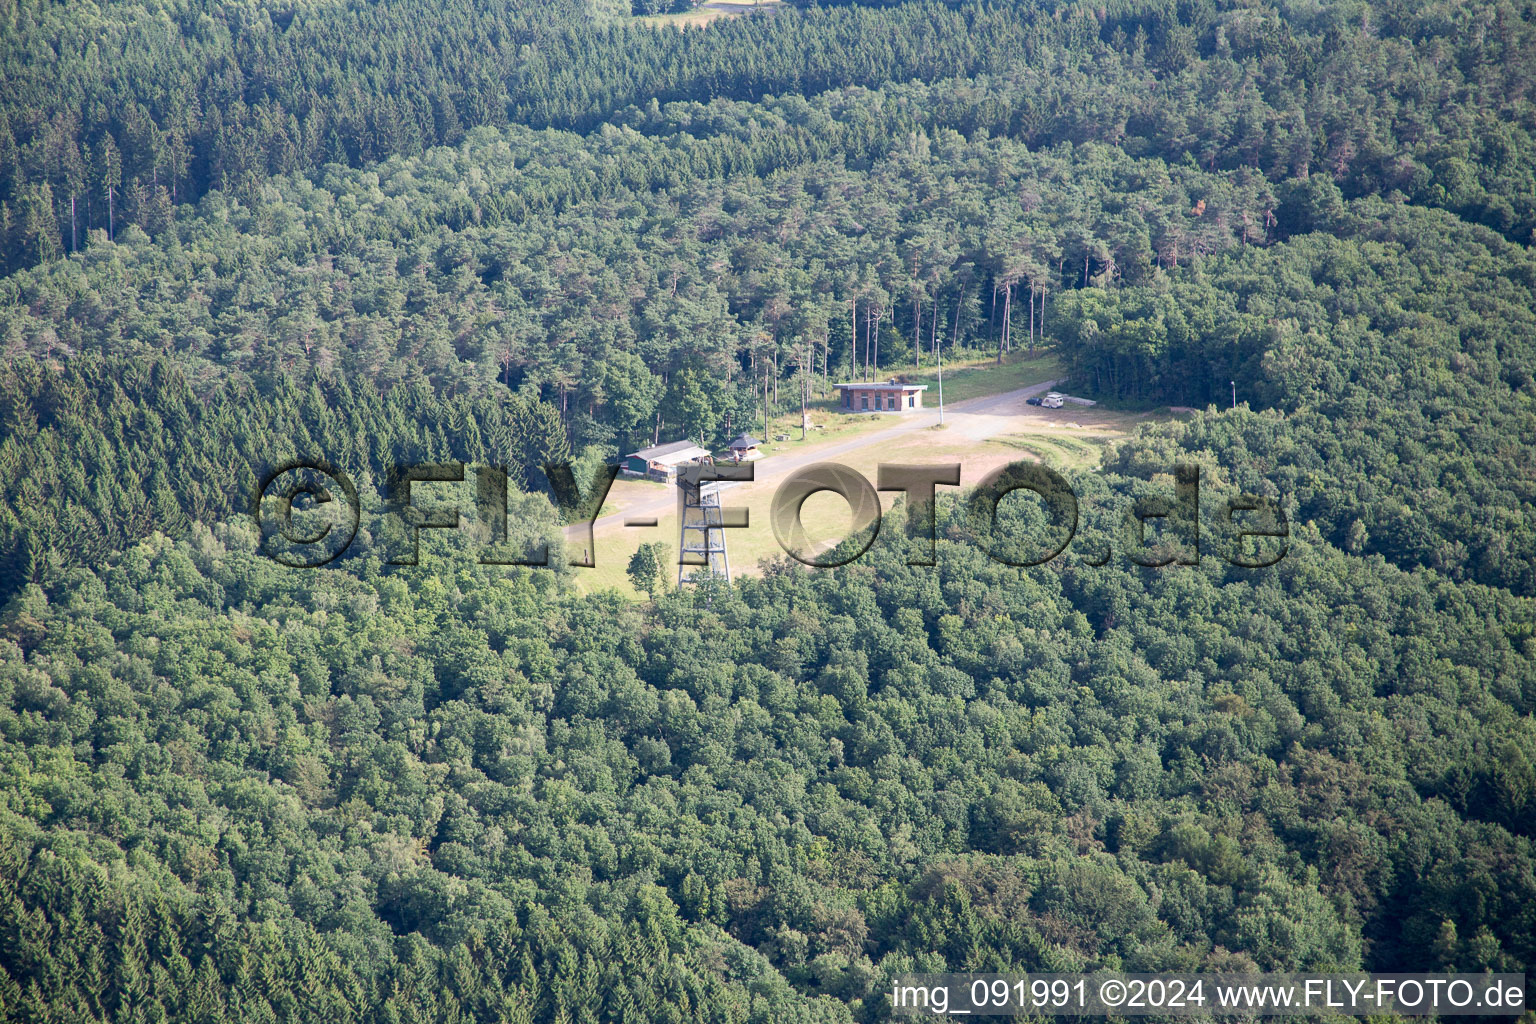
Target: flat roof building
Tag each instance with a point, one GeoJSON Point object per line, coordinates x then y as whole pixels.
{"type": "Point", "coordinates": [891, 396]}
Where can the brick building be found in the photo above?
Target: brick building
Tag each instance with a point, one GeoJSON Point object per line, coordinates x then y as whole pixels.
{"type": "Point", "coordinates": [891, 396]}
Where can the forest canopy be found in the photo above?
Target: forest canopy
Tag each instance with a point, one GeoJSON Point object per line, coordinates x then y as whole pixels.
{"type": "Point", "coordinates": [237, 232]}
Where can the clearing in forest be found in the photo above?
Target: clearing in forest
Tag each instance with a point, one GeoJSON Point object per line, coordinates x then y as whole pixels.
{"type": "Point", "coordinates": [981, 432]}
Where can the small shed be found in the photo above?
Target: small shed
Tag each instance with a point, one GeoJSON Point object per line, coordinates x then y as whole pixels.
{"type": "Point", "coordinates": [662, 461]}
{"type": "Point", "coordinates": [744, 448]}
{"type": "Point", "coordinates": [892, 396]}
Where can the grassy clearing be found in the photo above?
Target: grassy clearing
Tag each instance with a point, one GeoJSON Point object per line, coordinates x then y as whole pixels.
{"type": "Point", "coordinates": [827, 425]}
{"type": "Point", "coordinates": [712, 11]}
{"type": "Point", "coordinates": [1060, 451]}
{"type": "Point", "coordinates": [975, 378]}
{"type": "Point", "coordinates": [965, 379]}
{"type": "Point", "coordinates": [1064, 438]}
{"type": "Point", "coordinates": [823, 516]}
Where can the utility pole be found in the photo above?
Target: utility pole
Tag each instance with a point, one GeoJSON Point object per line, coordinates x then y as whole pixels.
{"type": "Point", "coordinates": [941, 385]}
{"type": "Point", "coordinates": [1234, 394]}
{"type": "Point", "coordinates": [805, 387]}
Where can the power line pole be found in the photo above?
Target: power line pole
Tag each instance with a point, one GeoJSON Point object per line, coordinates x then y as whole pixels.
{"type": "Point", "coordinates": [941, 385]}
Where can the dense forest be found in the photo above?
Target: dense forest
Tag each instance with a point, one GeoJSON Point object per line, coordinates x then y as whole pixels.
{"type": "Point", "coordinates": [238, 791]}
{"type": "Point", "coordinates": [115, 119]}
{"type": "Point", "coordinates": [1398, 347]}
{"type": "Point", "coordinates": [625, 297]}
{"type": "Point", "coordinates": [237, 232]}
{"type": "Point", "coordinates": [101, 452]}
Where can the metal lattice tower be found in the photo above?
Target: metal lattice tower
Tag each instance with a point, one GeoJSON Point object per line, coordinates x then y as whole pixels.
{"type": "Point", "coordinates": [701, 532]}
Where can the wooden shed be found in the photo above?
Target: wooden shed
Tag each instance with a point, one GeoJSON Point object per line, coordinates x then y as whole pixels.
{"type": "Point", "coordinates": [662, 461]}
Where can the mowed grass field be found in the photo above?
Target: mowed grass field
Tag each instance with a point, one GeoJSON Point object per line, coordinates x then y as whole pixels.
{"type": "Point", "coordinates": [974, 378]}
{"type": "Point", "coordinates": [1071, 438]}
